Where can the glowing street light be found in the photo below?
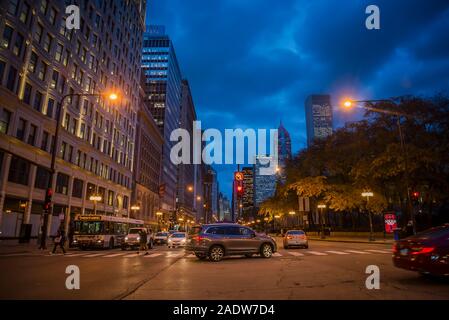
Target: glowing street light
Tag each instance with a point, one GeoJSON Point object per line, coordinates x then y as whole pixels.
{"type": "Point", "coordinates": [292, 213]}
{"type": "Point", "coordinates": [95, 198]}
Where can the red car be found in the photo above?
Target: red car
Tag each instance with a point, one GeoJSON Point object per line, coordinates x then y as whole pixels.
{"type": "Point", "coordinates": [426, 252]}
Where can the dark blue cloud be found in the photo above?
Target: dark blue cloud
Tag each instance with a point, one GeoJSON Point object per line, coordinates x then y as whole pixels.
{"type": "Point", "coordinates": [252, 63]}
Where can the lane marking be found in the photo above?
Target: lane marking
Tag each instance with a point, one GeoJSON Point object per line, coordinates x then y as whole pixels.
{"type": "Point", "coordinates": [190, 256]}
{"type": "Point", "coordinates": [378, 251]}
{"type": "Point", "coordinates": [296, 254]}
{"type": "Point", "coordinates": [94, 255]}
{"type": "Point", "coordinates": [337, 252]}
{"type": "Point", "coordinates": [316, 253]}
{"type": "Point", "coordinates": [153, 255]}
{"type": "Point", "coordinates": [77, 254]}
{"type": "Point", "coordinates": [356, 251]}
{"type": "Point", "coordinates": [15, 254]}
{"type": "Point", "coordinates": [116, 255]}
{"type": "Point", "coordinates": [174, 255]}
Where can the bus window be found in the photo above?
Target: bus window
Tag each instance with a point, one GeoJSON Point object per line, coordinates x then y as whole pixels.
{"type": "Point", "coordinates": [88, 227]}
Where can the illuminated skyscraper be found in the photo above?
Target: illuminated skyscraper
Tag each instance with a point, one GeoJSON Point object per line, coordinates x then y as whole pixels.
{"type": "Point", "coordinates": [318, 117]}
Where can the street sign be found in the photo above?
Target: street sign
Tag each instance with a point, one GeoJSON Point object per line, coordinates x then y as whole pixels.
{"type": "Point", "coordinates": [390, 222]}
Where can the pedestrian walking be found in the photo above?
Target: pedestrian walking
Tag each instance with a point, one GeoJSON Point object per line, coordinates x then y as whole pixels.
{"type": "Point", "coordinates": [59, 241]}
{"type": "Point", "coordinates": [143, 242]}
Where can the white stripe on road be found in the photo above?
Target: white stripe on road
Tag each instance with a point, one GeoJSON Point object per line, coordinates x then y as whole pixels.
{"type": "Point", "coordinates": [174, 255]}
{"type": "Point", "coordinates": [94, 255]}
{"type": "Point", "coordinates": [296, 254]}
{"type": "Point", "coordinates": [316, 253]}
{"type": "Point", "coordinates": [153, 255]}
{"type": "Point", "coordinates": [116, 255]}
{"type": "Point", "coordinates": [190, 256]}
{"type": "Point", "coordinates": [337, 252]}
{"type": "Point", "coordinates": [77, 254]}
{"type": "Point", "coordinates": [277, 254]}
{"type": "Point", "coordinates": [378, 251]}
{"type": "Point", "coordinates": [359, 252]}
{"type": "Point", "coordinates": [16, 254]}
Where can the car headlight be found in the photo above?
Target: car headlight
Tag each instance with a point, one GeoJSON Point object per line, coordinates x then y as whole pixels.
{"type": "Point", "coordinates": [169, 240]}
{"type": "Point", "coordinates": [138, 238]}
{"type": "Point", "coordinates": [126, 238]}
{"type": "Point", "coordinates": [183, 240]}
{"type": "Point", "coordinates": [99, 240]}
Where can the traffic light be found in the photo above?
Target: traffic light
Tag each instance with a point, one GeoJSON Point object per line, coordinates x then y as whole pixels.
{"type": "Point", "coordinates": [415, 197]}
{"type": "Point", "coordinates": [47, 202]}
{"type": "Point", "coordinates": [240, 190]}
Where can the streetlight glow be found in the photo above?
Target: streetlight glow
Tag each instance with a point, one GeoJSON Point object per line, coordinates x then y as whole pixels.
{"type": "Point", "coordinates": [347, 103]}
{"type": "Point", "coordinates": [135, 207]}
{"type": "Point", "coordinates": [321, 206]}
{"type": "Point", "coordinates": [292, 213]}
{"type": "Point", "coordinates": [113, 96]}
{"type": "Point", "coordinates": [95, 198]}
{"type": "Point", "coordinates": [159, 213]}
{"type": "Point", "coordinates": [367, 194]}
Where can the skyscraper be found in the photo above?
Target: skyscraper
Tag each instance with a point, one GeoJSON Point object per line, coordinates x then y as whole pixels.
{"type": "Point", "coordinates": [318, 117]}
{"type": "Point", "coordinates": [163, 94]}
{"type": "Point", "coordinates": [264, 185]}
{"type": "Point", "coordinates": [41, 61]}
{"type": "Point", "coordinates": [248, 191]}
{"type": "Point", "coordinates": [284, 146]}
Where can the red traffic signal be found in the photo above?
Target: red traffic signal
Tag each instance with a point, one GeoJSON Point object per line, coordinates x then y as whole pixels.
{"type": "Point", "coordinates": [415, 194]}
{"type": "Point", "coordinates": [48, 196]}
{"type": "Point", "coordinates": [240, 190]}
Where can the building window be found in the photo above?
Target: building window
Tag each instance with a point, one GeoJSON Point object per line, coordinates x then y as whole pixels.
{"type": "Point", "coordinates": [66, 121]}
{"type": "Point", "coordinates": [73, 126]}
{"type": "Point", "coordinates": [62, 183]}
{"type": "Point", "coordinates": [42, 71]}
{"type": "Point", "coordinates": [50, 106]}
{"type": "Point", "coordinates": [17, 50]}
{"type": "Point", "coordinates": [32, 134]}
{"type": "Point", "coordinates": [78, 158]}
{"type": "Point", "coordinates": [70, 154]}
{"type": "Point", "coordinates": [58, 53]}
{"type": "Point", "coordinates": [44, 6]}
{"type": "Point", "coordinates": [13, 6]}
{"type": "Point", "coordinates": [2, 71]}
{"type": "Point", "coordinates": [27, 93]}
{"type": "Point", "coordinates": [38, 33]}
{"type": "Point", "coordinates": [102, 192]}
{"type": "Point", "coordinates": [82, 131]}
{"type": "Point", "coordinates": [5, 119]}
{"type": "Point", "coordinates": [11, 81]}
{"type": "Point", "coordinates": [7, 36]}
{"type": "Point", "coordinates": [52, 17]}
{"type": "Point", "coordinates": [47, 42]}
{"type": "Point", "coordinates": [90, 190]}
{"type": "Point", "coordinates": [33, 62]}
{"type": "Point", "coordinates": [125, 202]}
{"type": "Point", "coordinates": [19, 171]}
{"type": "Point", "coordinates": [43, 177]}
{"type": "Point", "coordinates": [24, 13]}
{"type": "Point", "coordinates": [37, 101]}
{"type": "Point", "coordinates": [63, 150]}
{"type": "Point", "coordinates": [44, 141]}
{"type": "Point", "coordinates": [21, 129]}
{"type": "Point", "coordinates": [77, 190]}
{"type": "Point", "coordinates": [110, 198]}
{"type": "Point", "coordinates": [54, 79]}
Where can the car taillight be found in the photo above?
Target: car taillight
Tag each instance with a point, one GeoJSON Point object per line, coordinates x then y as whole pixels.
{"type": "Point", "coordinates": [302, 237]}
{"type": "Point", "coordinates": [198, 238]}
{"type": "Point", "coordinates": [423, 250]}
{"type": "Point", "coordinates": [395, 248]}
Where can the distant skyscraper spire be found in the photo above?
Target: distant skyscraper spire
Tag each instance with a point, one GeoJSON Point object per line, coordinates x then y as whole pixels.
{"type": "Point", "coordinates": [284, 145]}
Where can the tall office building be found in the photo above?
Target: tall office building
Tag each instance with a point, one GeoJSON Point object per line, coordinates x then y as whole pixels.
{"type": "Point", "coordinates": [41, 61]}
{"type": "Point", "coordinates": [318, 117]}
{"type": "Point", "coordinates": [224, 208]}
{"type": "Point", "coordinates": [248, 191]}
{"type": "Point", "coordinates": [186, 172]}
{"type": "Point", "coordinates": [284, 146]}
{"type": "Point", "coordinates": [163, 95]}
{"type": "Point", "coordinates": [147, 166]}
{"type": "Point", "coordinates": [264, 185]}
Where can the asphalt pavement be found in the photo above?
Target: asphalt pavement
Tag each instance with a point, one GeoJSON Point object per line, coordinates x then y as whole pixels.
{"type": "Point", "coordinates": [327, 270]}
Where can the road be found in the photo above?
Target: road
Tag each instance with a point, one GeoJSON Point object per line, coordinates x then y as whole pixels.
{"type": "Point", "coordinates": [327, 270]}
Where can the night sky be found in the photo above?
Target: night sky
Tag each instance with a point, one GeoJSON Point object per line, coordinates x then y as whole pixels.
{"type": "Point", "coordinates": [252, 63]}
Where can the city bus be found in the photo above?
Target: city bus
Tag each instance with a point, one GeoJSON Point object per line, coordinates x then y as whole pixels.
{"type": "Point", "coordinates": [100, 231]}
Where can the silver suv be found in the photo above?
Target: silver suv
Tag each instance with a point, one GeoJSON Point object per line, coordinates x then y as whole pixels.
{"type": "Point", "coordinates": [214, 241]}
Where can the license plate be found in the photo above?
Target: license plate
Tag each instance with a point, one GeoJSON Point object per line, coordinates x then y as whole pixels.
{"type": "Point", "coordinates": [403, 252]}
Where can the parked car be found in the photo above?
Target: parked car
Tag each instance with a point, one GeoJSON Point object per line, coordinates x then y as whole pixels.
{"type": "Point", "coordinates": [215, 241]}
{"type": "Point", "coordinates": [132, 239]}
{"type": "Point", "coordinates": [426, 252]}
{"type": "Point", "coordinates": [161, 238]}
{"type": "Point", "coordinates": [295, 238]}
{"type": "Point", "coordinates": [177, 239]}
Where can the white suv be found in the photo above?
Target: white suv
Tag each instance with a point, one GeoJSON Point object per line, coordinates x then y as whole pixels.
{"type": "Point", "coordinates": [132, 239]}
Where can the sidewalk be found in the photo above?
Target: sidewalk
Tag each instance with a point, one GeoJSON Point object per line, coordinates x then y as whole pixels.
{"type": "Point", "coordinates": [13, 246]}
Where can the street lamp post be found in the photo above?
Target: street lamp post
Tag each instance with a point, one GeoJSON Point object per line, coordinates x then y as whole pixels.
{"type": "Point", "coordinates": [367, 195]}
{"type": "Point", "coordinates": [54, 150]}
{"type": "Point", "coordinates": [350, 103]}
{"type": "Point", "coordinates": [292, 213]}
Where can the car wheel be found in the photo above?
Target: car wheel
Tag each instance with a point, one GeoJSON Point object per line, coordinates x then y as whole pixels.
{"type": "Point", "coordinates": [216, 253]}
{"type": "Point", "coordinates": [266, 251]}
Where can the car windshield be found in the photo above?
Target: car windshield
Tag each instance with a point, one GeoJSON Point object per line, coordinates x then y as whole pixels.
{"type": "Point", "coordinates": [134, 231]}
{"type": "Point", "coordinates": [161, 234]}
{"type": "Point", "coordinates": [178, 235]}
{"type": "Point", "coordinates": [296, 232]}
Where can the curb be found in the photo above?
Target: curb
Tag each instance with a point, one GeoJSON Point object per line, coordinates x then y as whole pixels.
{"type": "Point", "coordinates": [354, 241]}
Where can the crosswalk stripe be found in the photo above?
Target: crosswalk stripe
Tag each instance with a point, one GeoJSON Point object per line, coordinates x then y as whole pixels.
{"type": "Point", "coordinates": [115, 255]}
{"type": "Point", "coordinates": [337, 252]}
{"type": "Point", "coordinates": [190, 256]}
{"type": "Point", "coordinates": [296, 254]}
{"type": "Point", "coordinates": [174, 255]}
{"type": "Point", "coordinates": [94, 255]}
{"type": "Point", "coordinates": [316, 253]}
{"type": "Point", "coordinates": [15, 254]}
{"type": "Point", "coordinates": [378, 251]}
{"type": "Point", "coordinates": [356, 251]}
{"type": "Point", "coordinates": [153, 255]}
{"type": "Point", "coordinates": [77, 254]}
{"type": "Point", "coordinates": [277, 254]}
